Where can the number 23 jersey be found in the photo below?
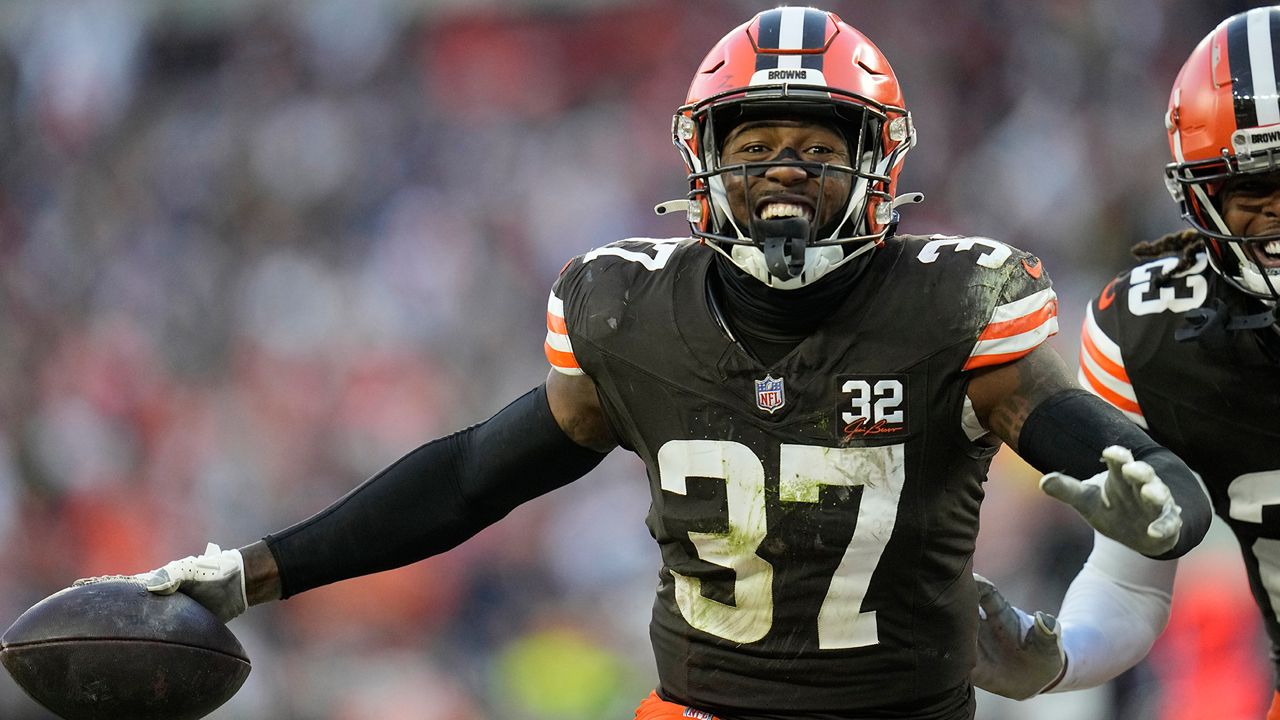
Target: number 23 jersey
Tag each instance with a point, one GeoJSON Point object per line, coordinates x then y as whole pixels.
{"type": "Point", "coordinates": [816, 517]}
{"type": "Point", "coordinates": [1219, 409]}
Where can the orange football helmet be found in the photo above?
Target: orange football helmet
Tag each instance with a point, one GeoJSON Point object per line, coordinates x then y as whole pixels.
{"type": "Point", "coordinates": [1224, 122]}
{"type": "Point", "coordinates": [796, 62]}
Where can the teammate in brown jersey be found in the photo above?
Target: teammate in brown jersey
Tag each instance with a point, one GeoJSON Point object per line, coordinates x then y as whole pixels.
{"type": "Point", "coordinates": [816, 400]}
{"type": "Point", "coordinates": [1187, 345]}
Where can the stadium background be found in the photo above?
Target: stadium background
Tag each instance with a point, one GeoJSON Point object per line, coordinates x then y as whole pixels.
{"type": "Point", "coordinates": [252, 251]}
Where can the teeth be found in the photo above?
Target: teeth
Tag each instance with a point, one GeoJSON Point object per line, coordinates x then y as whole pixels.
{"type": "Point", "coordinates": [1272, 248]}
{"type": "Point", "coordinates": [777, 210]}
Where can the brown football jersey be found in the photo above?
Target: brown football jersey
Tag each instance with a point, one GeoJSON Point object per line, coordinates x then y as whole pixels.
{"type": "Point", "coordinates": [817, 516]}
{"type": "Point", "coordinates": [1215, 406]}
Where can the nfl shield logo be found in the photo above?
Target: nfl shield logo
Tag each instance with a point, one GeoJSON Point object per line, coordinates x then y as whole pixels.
{"type": "Point", "coordinates": [769, 394]}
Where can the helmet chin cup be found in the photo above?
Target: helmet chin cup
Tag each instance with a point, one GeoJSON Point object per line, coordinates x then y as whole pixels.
{"type": "Point", "coordinates": [783, 241]}
{"type": "Point", "coordinates": [1260, 282]}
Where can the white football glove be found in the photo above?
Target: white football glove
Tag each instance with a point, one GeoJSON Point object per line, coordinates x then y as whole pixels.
{"type": "Point", "coordinates": [214, 579]}
{"type": "Point", "coordinates": [1019, 655]}
{"type": "Point", "coordinates": [1128, 503]}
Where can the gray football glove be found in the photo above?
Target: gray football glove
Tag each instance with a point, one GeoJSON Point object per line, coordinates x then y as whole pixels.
{"type": "Point", "coordinates": [214, 579]}
{"type": "Point", "coordinates": [1128, 503]}
{"type": "Point", "coordinates": [1019, 655]}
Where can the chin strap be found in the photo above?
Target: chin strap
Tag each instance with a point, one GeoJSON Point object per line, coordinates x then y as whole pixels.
{"type": "Point", "coordinates": [683, 205]}
{"type": "Point", "coordinates": [669, 206]}
{"type": "Point", "coordinates": [887, 213]}
{"type": "Point", "coordinates": [784, 241]}
{"type": "Point", "coordinates": [1211, 325]}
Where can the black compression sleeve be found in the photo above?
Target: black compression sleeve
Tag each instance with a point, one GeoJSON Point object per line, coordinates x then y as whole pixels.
{"type": "Point", "coordinates": [1068, 432]}
{"type": "Point", "coordinates": [434, 498]}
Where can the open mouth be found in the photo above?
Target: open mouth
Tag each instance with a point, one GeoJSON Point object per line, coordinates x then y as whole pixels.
{"type": "Point", "coordinates": [779, 208]}
{"type": "Point", "coordinates": [1268, 254]}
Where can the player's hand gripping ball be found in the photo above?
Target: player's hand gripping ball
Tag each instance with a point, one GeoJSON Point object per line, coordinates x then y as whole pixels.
{"type": "Point", "coordinates": [109, 649]}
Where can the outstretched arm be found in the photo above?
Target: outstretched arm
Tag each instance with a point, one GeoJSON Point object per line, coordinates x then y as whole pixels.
{"type": "Point", "coordinates": [425, 503]}
{"type": "Point", "coordinates": [1145, 497]}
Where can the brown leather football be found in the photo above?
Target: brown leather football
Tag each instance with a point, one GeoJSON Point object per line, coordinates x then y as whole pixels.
{"type": "Point", "coordinates": [111, 650]}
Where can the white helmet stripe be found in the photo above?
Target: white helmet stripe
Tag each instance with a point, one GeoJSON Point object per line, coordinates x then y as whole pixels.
{"type": "Point", "coordinates": [1177, 130]}
{"type": "Point", "coordinates": [1262, 67]}
{"type": "Point", "coordinates": [791, 36]}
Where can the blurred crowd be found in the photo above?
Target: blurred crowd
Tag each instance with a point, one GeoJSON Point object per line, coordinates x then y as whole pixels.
{"type": "Point", "coordinates": [251, 252]}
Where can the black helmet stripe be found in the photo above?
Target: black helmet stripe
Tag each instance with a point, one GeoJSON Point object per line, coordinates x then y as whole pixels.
{"type": "Point", "coordinates": [791, 28]}
{"type": "Point", "coordinates": [1253, 55]}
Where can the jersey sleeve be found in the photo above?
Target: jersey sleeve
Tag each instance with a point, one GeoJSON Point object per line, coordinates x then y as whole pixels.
{"type": "Point", "coordinates": [593, 286]}
{"type": "Point", "coordinates": [1024, 316]}
{"type": "Point", "coordinates": [557, 346]}
{"type": "Point", "coordinates": [1102, 369]}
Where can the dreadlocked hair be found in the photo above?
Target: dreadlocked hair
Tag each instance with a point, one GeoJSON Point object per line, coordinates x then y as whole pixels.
{"type": "Point", "coordinates": [1186, 243]}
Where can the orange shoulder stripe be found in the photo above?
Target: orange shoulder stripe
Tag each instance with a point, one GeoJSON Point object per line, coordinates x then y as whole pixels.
{"type": "Point", "coordinates": [978, 361]}
{"type": "Point", "coordinates": [1112, 397]}
{"type": "Point", "coordinates": [560, 358]}
{"type": "Point", "coordinates": [1113, 368]}
{"type": "Point", "coordinates": [1019, 325]}
{"type": "Point", "coordinates": [556, 324]}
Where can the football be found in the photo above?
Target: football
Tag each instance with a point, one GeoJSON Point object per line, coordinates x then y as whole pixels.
{"type": "Point", "coordinates": [110, 649]}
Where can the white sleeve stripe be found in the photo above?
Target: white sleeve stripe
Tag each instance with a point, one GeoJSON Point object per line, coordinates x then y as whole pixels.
{"type": "Point", "coordinates": [559, 349]}
{"type": "Point", "coordinates": [1017, 343]}
{"type": "Point", "coordinates": [555, 305]}
{"type": "Point", "coordinates": [969, 422]}
{"type": "Point", "coordinates": [1137, 418]}
{"type": "Point", "coordinates": [559, 341]}
{"type": "Point", "coordinates": [1106, 379]}
{"type": "Point", "coordinates": [1022, 306]}
{"type": "Point", "coordinates": [1105, 345]}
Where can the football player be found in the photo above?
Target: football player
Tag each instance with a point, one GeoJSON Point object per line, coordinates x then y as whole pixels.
{"type": "Point", "coordinates": [815, 397]}
{"type": "Point", "coordinates": [1186, 344]}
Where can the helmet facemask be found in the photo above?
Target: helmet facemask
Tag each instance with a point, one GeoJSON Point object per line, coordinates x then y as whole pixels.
{"type": "Point", "coordinates": [1198, 187]}
{"type": "Point", "coordinates": [791, 252]}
